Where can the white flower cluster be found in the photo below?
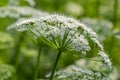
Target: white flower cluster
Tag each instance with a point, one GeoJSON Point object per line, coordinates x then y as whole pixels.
{"type": "Point", "coordinates": [63, 33]}
{"type": "Point", "coordinates": [105, 59]}
{"type": "Point", "coordinates": [54, 26]}
{"type": "Point", "coordinates": [97, 66]}
{"type": "Point", "coordinates": [74, 72]}
{"type": "Point", "coordinates": [80, 40]}
{"type": "Point", "coordinates": [17, 12]}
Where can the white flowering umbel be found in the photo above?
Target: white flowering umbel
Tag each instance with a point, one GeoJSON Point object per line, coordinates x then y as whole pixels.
{"type": "Point", "coordinates": [85, 70]}
{"type": "Point", "coordinates": [74, 72]}
{"type": "Point", "coordinates": [65, 34]}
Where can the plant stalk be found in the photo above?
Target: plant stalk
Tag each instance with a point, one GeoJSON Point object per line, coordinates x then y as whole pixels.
{"type": "Point", "coordinates": [37, 63]}
{"type": "Point", "coordinates": [55, 65]}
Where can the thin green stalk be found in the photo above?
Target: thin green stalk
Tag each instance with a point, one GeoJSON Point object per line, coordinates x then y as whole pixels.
{"type": "Point", "coordinates": [55, 65]}
{"type": "Point", "coordinates": [37, 63]}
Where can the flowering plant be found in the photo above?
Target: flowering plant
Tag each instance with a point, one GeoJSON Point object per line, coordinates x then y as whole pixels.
{"type": "Point", "coordinates": [65, 34]}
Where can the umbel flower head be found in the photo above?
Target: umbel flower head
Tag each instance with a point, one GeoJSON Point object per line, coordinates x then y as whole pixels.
{"type": "Point", "coordinates": [74, 72]}
{"type": "Point", "coordinates": [65, 34]}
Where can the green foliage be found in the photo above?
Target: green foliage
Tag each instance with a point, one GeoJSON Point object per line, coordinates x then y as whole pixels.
{"type": "Point", "coordinates": [6, 72]}
{"type": "Point", "coordinates": [6, 40]}
{"type": "Point", "coordinates": [101, 26]}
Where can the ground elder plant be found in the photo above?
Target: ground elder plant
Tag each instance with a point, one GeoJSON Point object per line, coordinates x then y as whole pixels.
{"type": "Point", "coordinates": [65, 34]}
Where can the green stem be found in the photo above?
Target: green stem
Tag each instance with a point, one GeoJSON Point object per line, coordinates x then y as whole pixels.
{"type": "Point", "coordinates": [55, 65]}
{"type": "Point", "coordinates": [37, 64]}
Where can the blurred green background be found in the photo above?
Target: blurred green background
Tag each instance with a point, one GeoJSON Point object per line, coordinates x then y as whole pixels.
{"type": "Point", "coordinates": [103, 16]}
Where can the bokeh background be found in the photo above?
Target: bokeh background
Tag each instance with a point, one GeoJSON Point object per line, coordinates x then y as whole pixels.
{"type": "Point", "coordinates": [103, 16]}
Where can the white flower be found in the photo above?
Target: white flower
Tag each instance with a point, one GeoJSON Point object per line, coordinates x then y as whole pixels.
{"type": "Point", "coordinates": [63, 33]}
{"type": "Point", "coordinates": [79, 43]}
{"type": "Point", "coordinates": [105, 59]}
{"type": "Point", "coordinates": [74, 72]}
